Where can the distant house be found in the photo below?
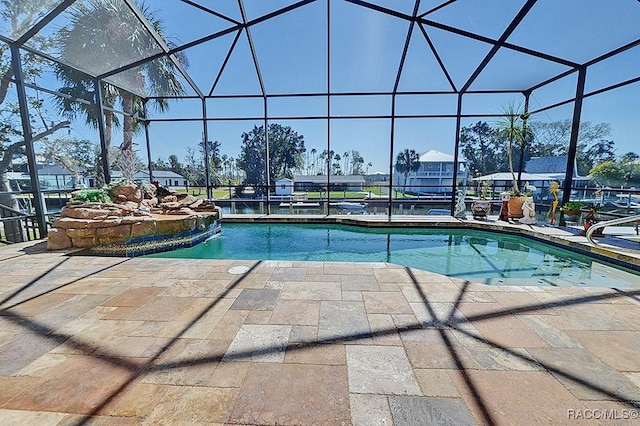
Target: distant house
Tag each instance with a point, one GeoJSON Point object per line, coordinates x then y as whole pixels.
{"type": "Point", "coordinates": [377, 177]}
{"type": "Point", "coordinates": [165, 178]}
{"type": "Point", "coordinates": [338, 183]}
{"type": "Point", "coordinates": [284, 186]}
{"type": "Point", "coordinates": [56, 177]}
{"type": "Point", "coordinates": [554, 168]}
{"type": "Point", "coordinates": [18, 181]}
{"type": "Point", "coordinates": [50, 177]}
{"type": "Point", "coordinates": [435, 175]}
{"type": "Point", "coordinates": [539, 172]}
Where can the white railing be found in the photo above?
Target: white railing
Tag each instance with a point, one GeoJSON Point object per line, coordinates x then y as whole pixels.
{"type": "Point", "coordinates": [617, 221]}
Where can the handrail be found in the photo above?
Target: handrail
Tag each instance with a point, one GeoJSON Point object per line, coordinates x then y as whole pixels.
{"type": "Point", "coordinates": [15, 213]}
{"type": "Point", "coordinates": [18, 226]}
{"type": "Point", "coordinates": [617, 221]}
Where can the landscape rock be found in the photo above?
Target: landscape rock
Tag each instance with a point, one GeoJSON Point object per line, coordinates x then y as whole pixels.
{"type": "Point", "coordinates": [187, 200]}
{"type": "Point", "coordinates": [169, 199]}
{"type": "Point", "coordinates": [150, 202]}
{"type": "Point", "coordinates": [130, 192]}
{"type": "Point", "coordinates": [85, 225]}
{"type": "Point", "coordinates": [181, 211]}
{"type": "Point", "coordinates": [172, 205]}
{"type": "Point", "coordinates": [84, 213]}
{"type": "Point", "coordinates": [58, 240]}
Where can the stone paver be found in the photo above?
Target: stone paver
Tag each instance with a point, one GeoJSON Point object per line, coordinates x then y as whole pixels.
{"type": "Point", "coordinates": [259, 343]}
{"type": "Point", "coordinates": [343, 321]}
{"type": "Point", "coordinates": [293, 394]}
{"type": "Point", "coordinates": [370, 410]}
{"type": "Point", "coordinates": [144, 341]}
{"type": "Point", "coordinates": [413, 410]}
{"type": "Point", "coordinates": [515, 397]}
{"type": "Point", "coordinates": [254, 299]}
{"type": "Point", "coordinates": [381, 370]}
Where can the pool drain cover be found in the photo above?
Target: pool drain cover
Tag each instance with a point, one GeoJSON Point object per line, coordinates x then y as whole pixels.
{"type": "Point", "coordinates": [239, 270]}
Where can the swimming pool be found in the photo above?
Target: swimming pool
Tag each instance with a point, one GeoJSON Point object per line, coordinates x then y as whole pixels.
{"type": "Point", "coordinates": [479, 256]}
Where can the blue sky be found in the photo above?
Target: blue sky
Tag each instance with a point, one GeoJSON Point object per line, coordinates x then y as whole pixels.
{"type": "Point", "coordinates": [365, 52]}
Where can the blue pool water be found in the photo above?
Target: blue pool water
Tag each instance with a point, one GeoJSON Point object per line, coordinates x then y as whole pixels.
{"type": "Point", "coordinates": [479, 256]}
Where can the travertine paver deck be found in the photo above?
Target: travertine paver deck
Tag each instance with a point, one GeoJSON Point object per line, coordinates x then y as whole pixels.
{"type": "Point", "coordinates": [182, 341]}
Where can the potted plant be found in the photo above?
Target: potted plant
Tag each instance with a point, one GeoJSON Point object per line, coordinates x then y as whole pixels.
{"type": "Point", "coordinates": [572, 210]}
{"type": "Point", "coordinates": [480, 208]}
{"type": "Point", "coordinates": [513, 128]}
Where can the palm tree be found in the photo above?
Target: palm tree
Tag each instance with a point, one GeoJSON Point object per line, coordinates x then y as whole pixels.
{"type": "Point", "coordinates": [313, 160]}
{"type": "Point", "coordinates": [345, 157]}
{"type": "Point", "coordinates": [513, 127]}
{"type": "Point", "coordinates": [407, 161]}
{"type": "Point", "coordinates": [102, 36]}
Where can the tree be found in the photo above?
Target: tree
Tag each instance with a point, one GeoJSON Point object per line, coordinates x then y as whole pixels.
{"type": "Point", "coordinates": [19, 16]}
{"type": "Point", "coordinates": [313, 161]}
{"type": "Point", "coordinates": [215, 161]}
{"type": "Point", "coordinates": [607, 173]}
{"type": "Point", "coordinates": [335, 167]}
{"type": "Point", "coordinates": [194, 168]}
{"type": "Point", "coordinates": [357, 162]}
{"type": "Point", "coordinates": [407, 161]}
{"type": "Point", "coordinates": [629, 157]}
{"type": "Point", "coordinates": [599, 152]}
{"type": "Point", "coordinates": [325, 159]}
{"type": "Point", "coordinates": [97, 35]}
{"type": "Point", "coordinates": [345, 158]}
{"type": "Point", "coordinates": [612, 173]}
{"type": "Point", "coordinates": [552, 139]}
{"type": "Point", "coordinates": [72, 154]}
{"type": "Point", "coordinates": [480, 146]}
{"type": "Point", "coordinates": [286, 149]}
{"type": "Point", "coordinates": [159, 164]}
{"type": "Point", "coordinates": [513, 128]}
{"type": "Point", "coordinates": [175, 165]}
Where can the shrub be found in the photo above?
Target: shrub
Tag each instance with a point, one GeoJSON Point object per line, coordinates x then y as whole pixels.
{"type": "Point", "coordinates": [572, 206]}
{"type": "Point", "coordinates": [91, 196]}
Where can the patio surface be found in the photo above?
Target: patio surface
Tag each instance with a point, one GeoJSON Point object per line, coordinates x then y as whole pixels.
{"type": "Point", "coordinates": [180, 341]}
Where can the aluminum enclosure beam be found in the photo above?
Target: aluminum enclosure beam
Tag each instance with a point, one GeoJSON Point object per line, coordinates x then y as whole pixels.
{"type": "Point", "coordinates": [38, 199]}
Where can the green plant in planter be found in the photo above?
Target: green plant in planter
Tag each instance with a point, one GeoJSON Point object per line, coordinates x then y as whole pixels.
{"type": "Point", "coordinates": [91, 196]}
{"type": "Point", "coordinates": [484, 189]}
{"type": "Point", "coordinates": [572, 207]}
{"type": "Point", "coordinates": [520, 194]}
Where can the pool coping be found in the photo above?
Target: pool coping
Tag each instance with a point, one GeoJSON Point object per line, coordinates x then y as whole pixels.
{"type": "Point", "coordinates": [611, 249]}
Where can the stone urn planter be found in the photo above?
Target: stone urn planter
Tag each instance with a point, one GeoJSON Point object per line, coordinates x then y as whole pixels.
{"type": "Point", "coordinates": [480, 209]}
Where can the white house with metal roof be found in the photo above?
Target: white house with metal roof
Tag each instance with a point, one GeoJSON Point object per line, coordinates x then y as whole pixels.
{"type": "Point", "coordinates": [165, 178]}
{"type": "Point", "coordinates": [434, 176]}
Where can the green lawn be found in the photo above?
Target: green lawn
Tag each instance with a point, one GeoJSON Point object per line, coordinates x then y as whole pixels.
{"type": "Point", "coordinates": [223, 193]}
{"type": "Point", "coordinates": [201, 192]}
{"type": "Point", "coordinates": [337, 194]}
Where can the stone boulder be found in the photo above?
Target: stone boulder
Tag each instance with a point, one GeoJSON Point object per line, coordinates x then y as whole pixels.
{"type": "Point", "coordinates": [58, 239]}
{"type": "Point", "coordinates": [186, 199]}
{"type": "Point", "coordinates": [128, 192]}
{"type": "Point", "coordinates": [169, 199]}
{"type": "Point", "coordinates": [87, 225]}
{"type": "Point", "coordinates": [150, 192]}
{"type": "Point", "coordinates": [150, 202]}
